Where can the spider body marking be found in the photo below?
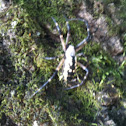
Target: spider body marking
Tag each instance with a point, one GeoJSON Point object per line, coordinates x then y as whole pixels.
{"type": "Point", "coordinates": [69, 63]}
{"type": "Point", "coordinates": [69, 59]}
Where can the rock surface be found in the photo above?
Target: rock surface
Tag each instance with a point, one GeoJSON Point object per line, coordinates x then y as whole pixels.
{"type": "Point", "coordinates": [100, 32]}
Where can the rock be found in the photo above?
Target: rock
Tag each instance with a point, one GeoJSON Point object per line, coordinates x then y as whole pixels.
{"type": "Point", "coordinates": [110, 44]}
{"type": "Point", "coordinates": [119, 59]}
{"type": "Point", "coordinates": [6, 121]}
{"type": "Point", "coordinates": [110, 123]}
{"type": "Point", "coordinates": [35, 123]}
{"type": "Point", "coordinates": [83, 13]}
{"type": "Point", "coordinates": [4, 4]}
{"type": "Point", "coordinates": [98, 7]}
{"type": "Point", "coordinates": [119, 115]}
{"type": "Point", "coordinates": [114, 46]}
{"type": "Point", "coordinates": [100, 32]}
{"type": "Point", "coordinates": [108, 96]}
{"type": "Point", "coordinates": [111, 9]}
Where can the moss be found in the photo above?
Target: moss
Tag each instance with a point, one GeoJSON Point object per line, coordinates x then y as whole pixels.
{"type": "Point", "coordinates": [53, 105]}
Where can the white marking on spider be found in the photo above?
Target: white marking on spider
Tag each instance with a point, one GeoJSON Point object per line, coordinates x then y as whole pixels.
{"type": "Point", "coordinates": [70, 62]}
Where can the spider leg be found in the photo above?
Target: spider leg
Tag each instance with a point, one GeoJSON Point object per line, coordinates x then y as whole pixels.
{"type": "Point", "coordinates": [85, 77]}
{"type": "Point", "coordinates": [80, 54]}
{"type": "Point", "coordinates": [68, 30]}
{"type": "Point", "coordinates": [49, 80]}
{"type": "Point", "coordinates": [61, 36]}
{"type": "Point", "coordinates": [84, 41]}
{"type": "Point", "coordinates": [52, 58]}
{"type": "Point", "coordinates": [49, 58]}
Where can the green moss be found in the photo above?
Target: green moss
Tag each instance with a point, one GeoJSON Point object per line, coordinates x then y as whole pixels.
{"type": "Point", "coordinates": [53, 105]}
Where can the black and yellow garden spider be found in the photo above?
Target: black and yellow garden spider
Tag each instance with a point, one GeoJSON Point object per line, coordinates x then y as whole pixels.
{"type": "Point", "coordinates": [69, 58]}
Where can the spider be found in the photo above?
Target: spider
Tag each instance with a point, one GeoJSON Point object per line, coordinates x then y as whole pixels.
{"type": "Point", "coordinates": [69, 58]}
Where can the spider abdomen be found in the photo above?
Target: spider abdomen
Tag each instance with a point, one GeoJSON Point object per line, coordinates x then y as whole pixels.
{"type": "Point", "coordinates": [69, 63]}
